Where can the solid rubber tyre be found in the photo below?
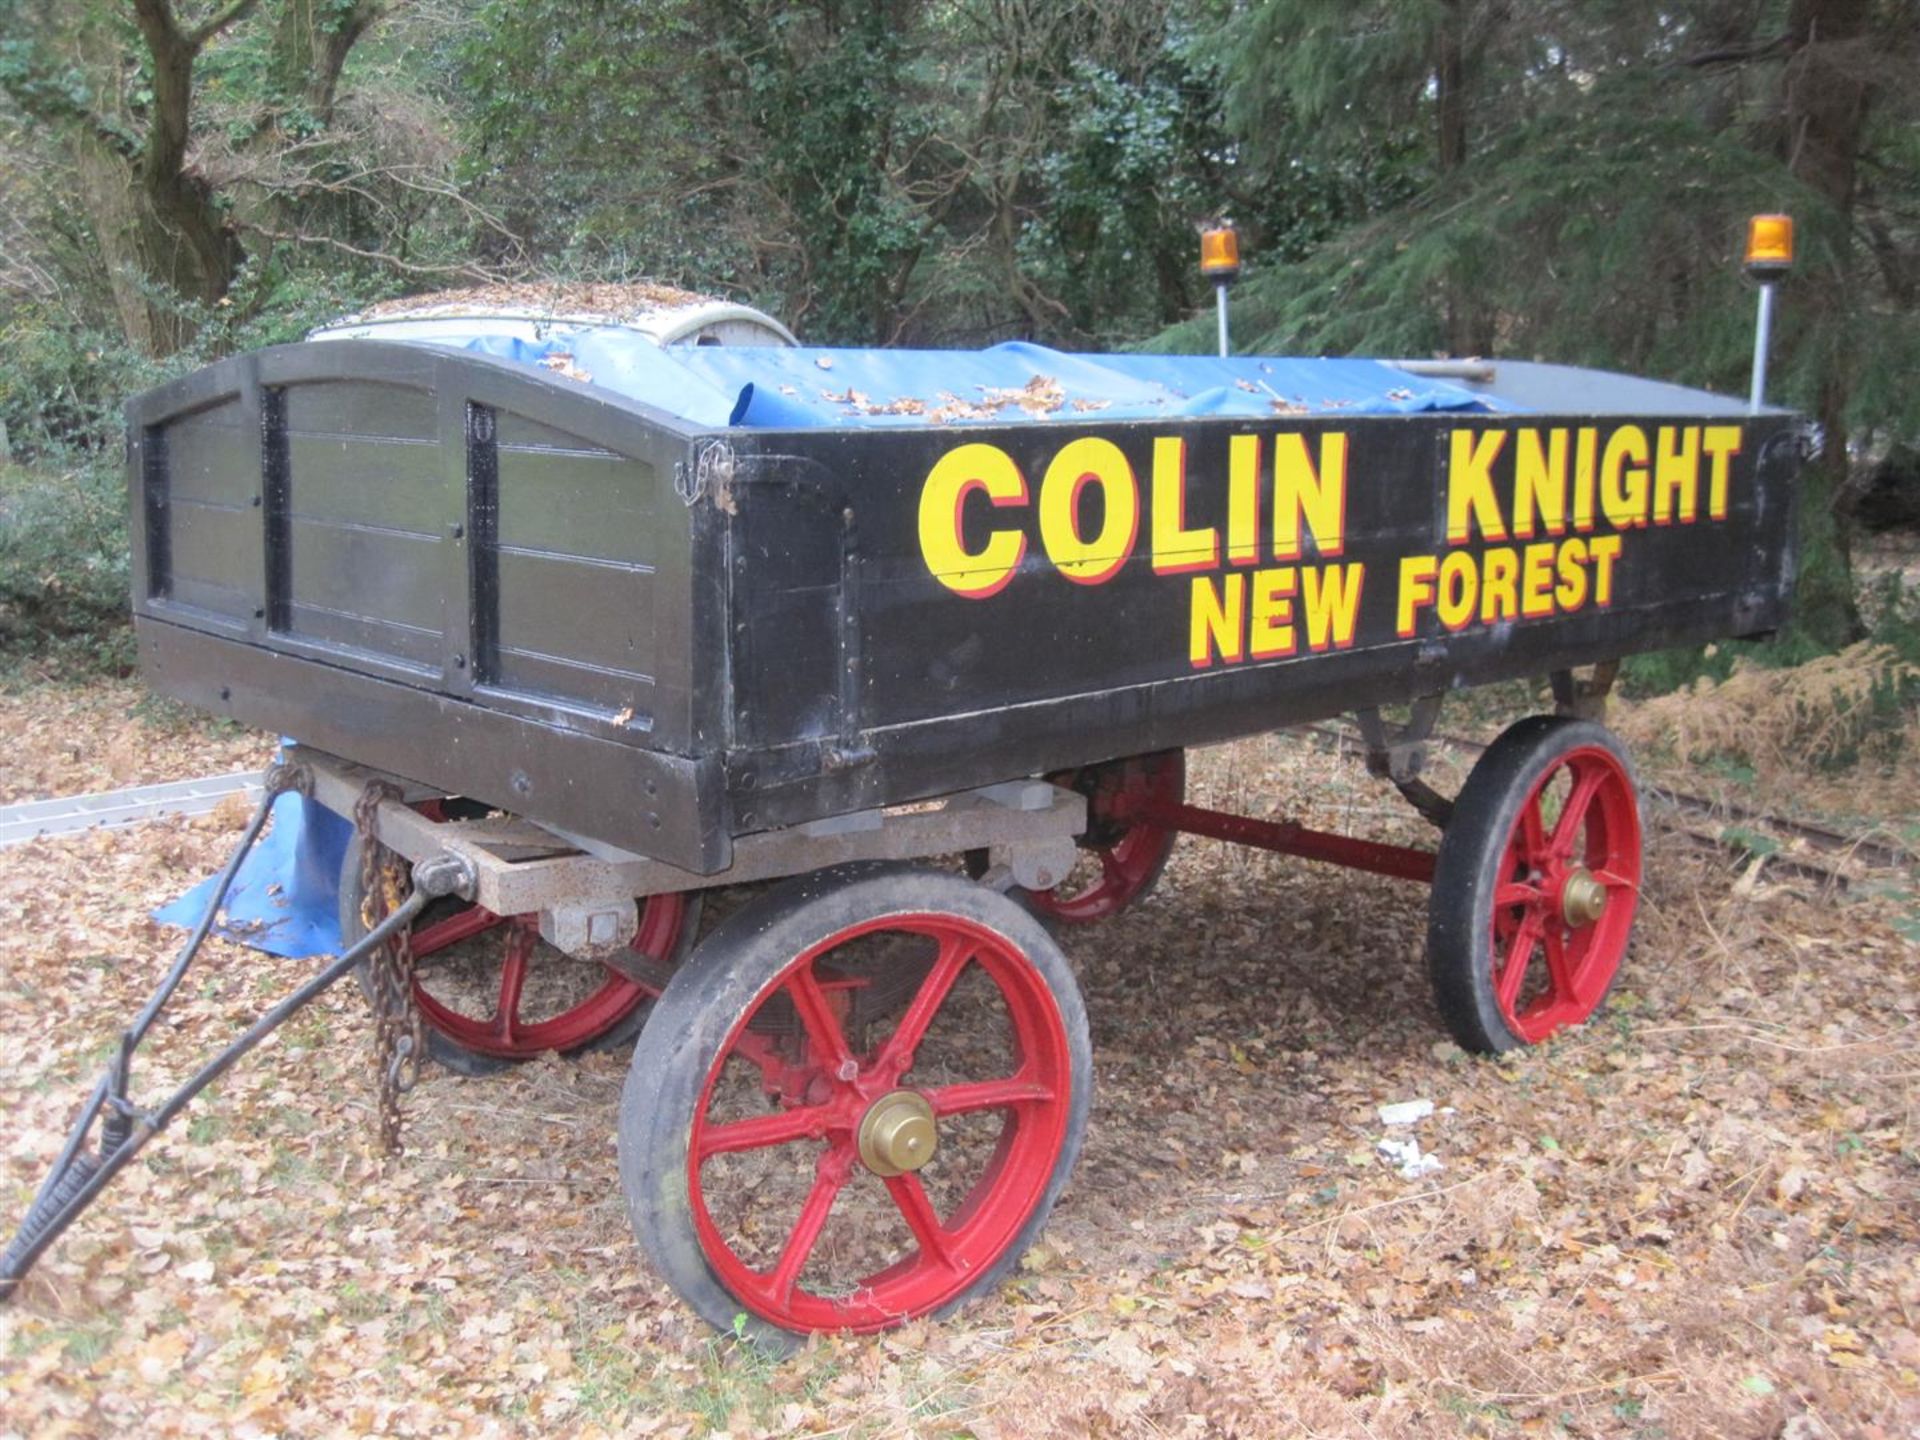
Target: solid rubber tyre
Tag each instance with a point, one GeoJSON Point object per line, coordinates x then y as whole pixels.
{"type": "Point", "coordinates": [1509, 967]}
{"type": "Point", "coordinates": [621, 1027]}
{"type": "Point", "coordinates": [756, 960]}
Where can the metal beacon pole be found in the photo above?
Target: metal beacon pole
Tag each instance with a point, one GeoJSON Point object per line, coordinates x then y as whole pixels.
{"type": "Point", "coordinates": [1769, 257]}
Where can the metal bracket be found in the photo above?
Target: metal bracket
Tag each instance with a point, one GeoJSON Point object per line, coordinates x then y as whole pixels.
{"type": "Point", "coordinates": [445, 874]}
{"type": "Point", "coordinates": [285, 775]}
{"type": "Point", "coordinates": [1398, 753]}
{"type": "Point", "coordinates": [1584, 699]}
{"type": "Point", "coordinates": [712, 475]}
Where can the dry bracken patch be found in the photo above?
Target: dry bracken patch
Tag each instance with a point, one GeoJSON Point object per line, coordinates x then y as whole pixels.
{"type": "Point", "coordinates": [1783, 721]}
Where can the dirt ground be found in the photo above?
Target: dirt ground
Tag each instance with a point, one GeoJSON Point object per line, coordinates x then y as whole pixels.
{"type": "Point", "coordinates": [75, 740]}
{"type": "Point", "coordinates": [1696, 1216]}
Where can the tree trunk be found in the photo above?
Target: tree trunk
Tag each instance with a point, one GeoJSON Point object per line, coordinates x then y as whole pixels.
{"type": "Point", "coordinates": [184, 241]}
{"type": "Point", "coordinates": [1467, 320]}
{"type": "Point", "coordinates": [1825, 95]}
{"type": "Point", "coordinates": [1726, 27]}
{"type": "Point", "coordinates": [1450, 92]}
{"type": "Point", "coordinates": [104, 190]}
{"type": "Point", "coordinates": [310, 48]}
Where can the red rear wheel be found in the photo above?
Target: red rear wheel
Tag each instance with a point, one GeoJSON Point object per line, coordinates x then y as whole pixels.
{"type": "Point", "coordinates": [1536, 886]}
{"type": "Point", "coordinates": [856, 1103]}
{"type": "Point", "coordinates": [500, 1005]}
{"type": "Point", "coordinates": [494, 994]}
{"type": "Point", "coordinates": [1122, 856]}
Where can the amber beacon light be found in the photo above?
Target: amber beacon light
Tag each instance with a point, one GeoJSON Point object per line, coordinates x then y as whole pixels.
{"type": "Point", "coordinates": [1219, 254]}
{"type": "Point", "coordinates": [1769, 257]}
{"type": "Point", "coordinates": [1769, 246]}
{"type": "Point", "coordinates": [1220, 263]}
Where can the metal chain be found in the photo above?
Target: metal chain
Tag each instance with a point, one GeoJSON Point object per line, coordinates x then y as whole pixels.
{"type": "Point", "coordinates": [399, 1031]}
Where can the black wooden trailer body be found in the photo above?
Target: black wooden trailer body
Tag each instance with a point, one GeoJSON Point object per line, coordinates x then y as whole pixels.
{"type": "Point", "coordinates": [576, 607]}
{"type": "Point", "coordinates": [693, 656]}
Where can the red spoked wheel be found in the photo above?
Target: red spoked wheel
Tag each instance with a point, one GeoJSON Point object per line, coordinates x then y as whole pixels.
{"type": "Point", "coordinates": [855, 1104]}
{"type": "Point", "coordinates": [494, 994]}
{"type": "Point", "coordinates": [1536, 885]}
{"type": "Point", "coordinates": [1123, 855]}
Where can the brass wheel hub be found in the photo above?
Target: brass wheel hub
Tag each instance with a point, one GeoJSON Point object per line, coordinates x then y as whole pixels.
{"type": "Point", "coordinates": [898, 1134]}
{"type": "Point", "coordinates": [1583, 899]}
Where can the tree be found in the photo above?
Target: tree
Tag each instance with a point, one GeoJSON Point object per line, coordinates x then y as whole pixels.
{"type": "Point", "coordinates": [885, 171]}
{"type": "Point", "coordinates": [175, 203]}
{"type": "Point", "coordinates": [1329, 77]}
{"type": "Point", "coordinates": [1839, 60]}
{"type": "Point", "coordinates": [1588, 200]}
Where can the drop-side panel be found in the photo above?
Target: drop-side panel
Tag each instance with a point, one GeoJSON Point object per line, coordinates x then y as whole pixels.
{"type": "Point", "coordinates": [565, 567]}
{"type": "Point", "coordinates": [200, 491]}
{"type": "Point", "coordinates": [1037, 597]}
{"type": "Point", "coordinates": [361, 515]}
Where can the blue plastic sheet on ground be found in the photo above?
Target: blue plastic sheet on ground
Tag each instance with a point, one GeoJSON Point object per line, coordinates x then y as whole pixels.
{"type": "Point", "coordinates": [286, 898]}
{"type": "Point", "coordinates": [770, 387]}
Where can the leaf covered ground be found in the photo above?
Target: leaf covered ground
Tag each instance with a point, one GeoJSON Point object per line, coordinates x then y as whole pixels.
{"type": "Point", "coordinates": [1697, 1216]}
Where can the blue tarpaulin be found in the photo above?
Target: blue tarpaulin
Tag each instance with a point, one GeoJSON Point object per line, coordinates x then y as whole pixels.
{"type": "Point", "coordinates": [780, 388]}
{"type": "Point", "coordinates": [286, 898]}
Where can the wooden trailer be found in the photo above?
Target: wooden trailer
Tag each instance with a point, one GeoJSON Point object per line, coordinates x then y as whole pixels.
{"type": "Point", "coordinates": [611, 634]}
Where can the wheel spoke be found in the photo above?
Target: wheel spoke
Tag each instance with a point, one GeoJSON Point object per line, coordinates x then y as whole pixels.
{"type": "Point", "coordinates": [828, 1176]}
{"type": "Point", "coordinates": [1559, 970]}
{"type": "Point", "coordinates": [1533, 830]}
{"type": "Point", "coordinates": [810, 1002]}
{"type": "Point", "coordinates": [1112, 872]}
{"type": "Point", "coordinates": [1613, 880]}
{"type": "Point", "coordinates": [917, 1210]}
{"type": "Point", "coordinates": [781, 1127]}
{"type": "Point", "coordinates": [1518, 954]}
{"type": "Point", "coordinates": [896, 1056]}
{"type": "Point", "coordinates": [1586, 784]}
{"type": "Point", "coordinates": [965, 1099]}
{"type": "Point", "coordinates": [1516, 892]}
{"type": "Point", "coordinates": [452, 930]}
{"type": "Point", "coordinates": [513, 979]}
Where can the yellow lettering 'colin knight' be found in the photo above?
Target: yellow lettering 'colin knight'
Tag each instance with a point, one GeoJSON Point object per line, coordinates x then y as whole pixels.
{"type": "Point", "coordinates": [1566, 480]}
{"type": "Point", "coordinates": [1081, 464]}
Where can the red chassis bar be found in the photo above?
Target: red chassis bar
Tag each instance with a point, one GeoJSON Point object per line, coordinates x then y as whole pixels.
{"type": "Point", "coordinates": [1285, 836]}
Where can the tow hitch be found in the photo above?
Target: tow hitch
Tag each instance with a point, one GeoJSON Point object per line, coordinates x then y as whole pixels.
{"type": "Point", "coordinates": [81, 1172]}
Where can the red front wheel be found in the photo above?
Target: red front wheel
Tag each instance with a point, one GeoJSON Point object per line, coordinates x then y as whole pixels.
{"type": "Point", "coordinates": [855, 1104]}
{"type": "Point", "coordinates": [1536, 885]}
